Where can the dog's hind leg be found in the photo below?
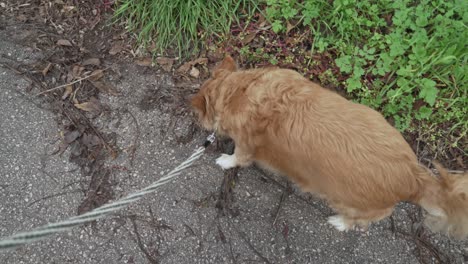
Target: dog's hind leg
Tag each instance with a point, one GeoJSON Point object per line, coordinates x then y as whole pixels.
{"type": "Point", "coordinates": [350, 218]}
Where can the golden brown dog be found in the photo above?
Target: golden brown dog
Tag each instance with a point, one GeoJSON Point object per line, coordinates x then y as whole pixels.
{"type": "Point", "coordinates": [344, 152]}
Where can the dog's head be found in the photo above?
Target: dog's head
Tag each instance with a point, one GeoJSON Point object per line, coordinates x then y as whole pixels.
{"type": "Point", "coordinates": [204, 101]}
{"type": "Point", "coordinates": [450, 214]}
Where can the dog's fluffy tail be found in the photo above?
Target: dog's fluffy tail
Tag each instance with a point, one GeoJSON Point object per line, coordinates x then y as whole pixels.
{"type": "Point", "coordinates": [446, 200]}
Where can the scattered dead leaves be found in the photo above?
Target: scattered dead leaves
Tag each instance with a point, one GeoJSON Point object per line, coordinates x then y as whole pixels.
{"type": "Point", "coordinates": [68, 32]}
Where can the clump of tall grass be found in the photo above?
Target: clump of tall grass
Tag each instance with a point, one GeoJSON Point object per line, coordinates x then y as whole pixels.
{"type": "Point", "coordinates": [180, 25]}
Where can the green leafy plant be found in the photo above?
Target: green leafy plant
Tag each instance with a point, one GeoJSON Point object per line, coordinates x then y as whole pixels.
{"type": "Point", "coordinates": [406, 58]}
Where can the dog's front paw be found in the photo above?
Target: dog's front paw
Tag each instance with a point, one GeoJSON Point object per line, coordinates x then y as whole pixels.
{"type": "Point", "coordinates": [338, 222]}
{"type": "Point", "coordinates": [226, 161]}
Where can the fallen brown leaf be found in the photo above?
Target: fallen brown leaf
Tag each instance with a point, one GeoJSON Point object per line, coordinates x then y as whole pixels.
{"type": "Point", "coordinates": [460, 161]}
{"type": "Point", "coordinates": [185, 67]}
{"type": "Point", "coordinates": [46, 69]}
{"type": "Point", "coordinates": [165, 63]}
{"type": "Point", "coordinates": [22, 18]}
{"type": "Point", "coordinates": [144, 61]}
{"type": "Point", "coordinates": [248, 38]}
{"type": "Point", "coordinates": [194, 72]}
{"type": "Point", "coordinates": [96, 75]}
{"type": "Point", "coordinates": [90, 140]}
{"type": "Point", "coordinates": [76, 149]}
{"type": "Point", "coordinates": [68, 8]}
{"type": "Point", "coordinates": [92, 106]}
{"type": "Point", "coordinates": [71, 136]}
{"type": "Point", "coordinates": [116, 48]}
{"type": "Point", "coordinates": [105, 87]}
{"type": "Point", "coordinates": [67, 92]}
{"type": "Point", "coordinates": [64, 42]}
{"type": "Point", "coordinates": [289, 27]}
{"type": "Point", "coordinates": [188, 65]}
{"type": "Point", "coordinates": [91, 61]}
{"type": "Point", "coordinates": [261, 20]}
{"type": "Point", "coordinates": [77, 70]}
{"type": "Point", "coordinates": [200, 61]}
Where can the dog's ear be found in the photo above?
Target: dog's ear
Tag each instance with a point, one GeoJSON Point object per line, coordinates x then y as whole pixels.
{"type": "Point", "coordinates": [199, 104]}
{"type": "Point", "coordinates": [227, 65]}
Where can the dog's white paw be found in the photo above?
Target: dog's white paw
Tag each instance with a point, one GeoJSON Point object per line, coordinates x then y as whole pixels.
{"type": "Point", "coordinates": [227, 161]}
{"type": "Point", "coordinates": [338, 222]}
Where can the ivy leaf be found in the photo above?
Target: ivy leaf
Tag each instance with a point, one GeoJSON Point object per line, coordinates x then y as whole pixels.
{"type": "Point", "coordinates": [400, 18]}
{"type": "Point", "coordinates": [391, 109]}
{"type": "Point", "coordinates": [277, 26]}
{"type": "Point", "coordinates": [321, 45]}
{"type": "Point", "coordinates": [384, 64]}
{"type": "Point", "coordinates": [310, 12]}
{"type": "Point", "coordinates": [405, 71]}
{"type": "Point", "coordinates": [358, 70]}
{"type": "Point", "coordinates": [271, 12]}
{"type": "Point", "coordinates": [428, 91]}
{"type": "Point", "coordinates": [423, 113]}
{"type": "Point", "coordinates": [402, 123]}
{"type": "Point", "coordinates": [288, 12]}
{"type": "Point", "coordinates": [420, 51]}
{"type": "Point", "coordinates": [344, 63]}
{"type": "Point", "coordinates": [353, 84]}
{"type": "Point", "coordinates": [403, 84]}
{"type": "Point", "coordinates": [421, 16]}
{"type": "Point", "coordinates": [396, 49]}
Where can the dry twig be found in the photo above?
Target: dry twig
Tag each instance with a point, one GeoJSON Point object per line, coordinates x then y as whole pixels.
{"type": "Point", "coordinates": [70, 83]}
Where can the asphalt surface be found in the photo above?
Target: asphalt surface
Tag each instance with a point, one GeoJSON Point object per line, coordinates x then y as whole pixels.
{"type": "Point", "coordinates": [180, 223]}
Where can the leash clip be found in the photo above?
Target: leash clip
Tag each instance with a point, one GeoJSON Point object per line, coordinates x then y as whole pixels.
{"type": "Point", "coordinates": [210, 139]}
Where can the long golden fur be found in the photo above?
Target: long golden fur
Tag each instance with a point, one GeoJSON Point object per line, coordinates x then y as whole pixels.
{"type": "Point", "coordinates": [341, 151]}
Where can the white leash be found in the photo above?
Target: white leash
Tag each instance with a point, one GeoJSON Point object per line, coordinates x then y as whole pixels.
{"type": "Point", "coordinates": [50, 229]}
